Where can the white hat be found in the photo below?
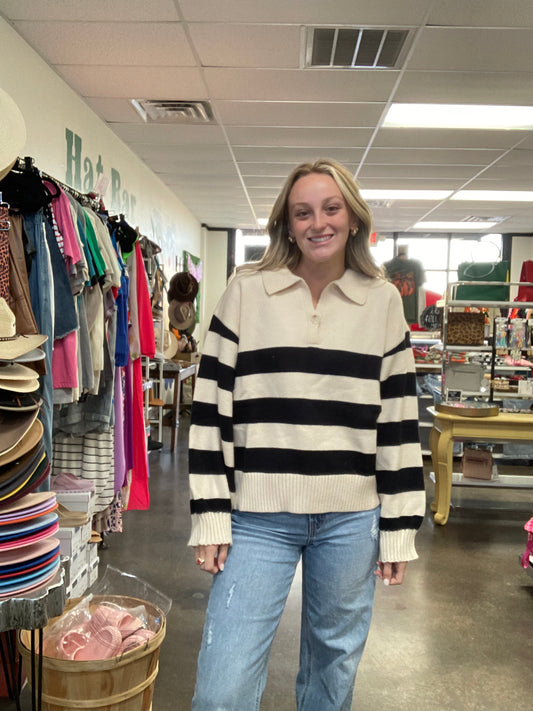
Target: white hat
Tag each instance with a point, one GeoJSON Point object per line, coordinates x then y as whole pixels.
{"type": "Point", "coordinates": [12, 345]}
{"type": "Point", "coordinates": [12, 133]}
{"type": "Point", "coordinates": [170, 345]}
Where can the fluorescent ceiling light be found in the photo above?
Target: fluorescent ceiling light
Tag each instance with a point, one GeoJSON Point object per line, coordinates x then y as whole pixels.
{"type": "Point", "coordinates": [405, 194]}
{"type": "Point", "coordinates": [453, 226]}
{"type": "Point", "coordinates": [459, 116]}
{"type": "Point", "coordinates": [495, 195]}
{"type": "Point", "coordinates": [262, 221]}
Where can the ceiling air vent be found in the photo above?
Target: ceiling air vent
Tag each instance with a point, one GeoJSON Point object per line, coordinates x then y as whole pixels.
{"type": "Point", "coordinates": [355, 48]}
{"type": "Point", "coordinates": [171, 111]}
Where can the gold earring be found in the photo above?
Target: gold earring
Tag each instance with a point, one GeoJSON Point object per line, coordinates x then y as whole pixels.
{"type": "Point", "coordinates": [354, 231]}
{"type": "Point", "coordinates": [291, 238]}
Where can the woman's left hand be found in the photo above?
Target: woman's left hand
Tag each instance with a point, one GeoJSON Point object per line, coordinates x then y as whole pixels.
{"type": "Point", "coordinates": [391, 573]}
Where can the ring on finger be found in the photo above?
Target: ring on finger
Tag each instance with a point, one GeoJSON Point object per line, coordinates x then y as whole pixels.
{"type": "Point", "coordinates": [200, 561]}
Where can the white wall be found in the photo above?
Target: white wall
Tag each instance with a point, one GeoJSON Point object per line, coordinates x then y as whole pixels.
{"type": "Point", "coordinates": [50, 109]}
{"type": "Point", "coordinates": [215, 256]}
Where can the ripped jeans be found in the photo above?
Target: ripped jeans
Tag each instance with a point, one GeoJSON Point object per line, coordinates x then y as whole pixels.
{"type": "Point", "coordinates": [339, 552]}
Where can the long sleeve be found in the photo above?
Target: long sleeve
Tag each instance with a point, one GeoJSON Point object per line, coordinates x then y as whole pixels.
{"type": "Point", "coordinates": [399, 472]}
{"type": "Point", "coordinates": [211, 451]}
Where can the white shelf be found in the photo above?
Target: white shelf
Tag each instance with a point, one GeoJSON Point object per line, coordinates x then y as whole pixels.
{"type": "Point", "coordinates": [504, 481]}
{"type": "Point", "coordinates": [469, 349]}
{"type": "Point", "coordinates": [492, 304]}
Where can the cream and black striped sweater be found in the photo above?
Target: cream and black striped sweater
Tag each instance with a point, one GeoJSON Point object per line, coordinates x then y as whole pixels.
{"type": "Point", "coordinates": [307, 410]}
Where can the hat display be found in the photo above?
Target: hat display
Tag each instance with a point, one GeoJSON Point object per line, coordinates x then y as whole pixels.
{"type": "Point", "coordinates": [181, 315]}
{"type": "Point", "coordinates": [13, 427]}
{"type": "Point", "coordinates": [182, 287]}
{"type": "Point", "coordinates": [13, 345]}
{"type": "Point", "coordinates": [12, 133]}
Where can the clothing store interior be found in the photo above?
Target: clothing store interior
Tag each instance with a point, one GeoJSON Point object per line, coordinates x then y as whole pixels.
{"type": "Point", "coordinates": [142, 149]}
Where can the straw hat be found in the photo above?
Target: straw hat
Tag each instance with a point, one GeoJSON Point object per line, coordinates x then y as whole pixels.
{"type": "Point", "coordinates": [28, 441]}
{"type": "Point", "coordinates": [12, 133]}
{"type": "Point", "coordinates": [13, 345]}
{"type": "Point", "coordinates": [181, 315]}
{"type": "Point", "coordinates": [13, 427]}
{"type": "Point", "coordinates": [170, 345]}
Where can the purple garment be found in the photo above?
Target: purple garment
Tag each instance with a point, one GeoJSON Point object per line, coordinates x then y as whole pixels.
{"type": "Point", "coordinates": [120, 459]}
{"type": "Point", "coordinates": [128, 417]}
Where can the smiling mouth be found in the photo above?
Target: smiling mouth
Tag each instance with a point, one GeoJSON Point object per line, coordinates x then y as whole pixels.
{"type": "Point", "coordinates": [317, 240]}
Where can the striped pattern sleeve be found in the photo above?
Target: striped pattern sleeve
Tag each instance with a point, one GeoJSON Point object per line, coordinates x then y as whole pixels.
{"type": "Point", "coordinates": [399, 472]}
{"type": "Point", "coordinates": [211, 454]}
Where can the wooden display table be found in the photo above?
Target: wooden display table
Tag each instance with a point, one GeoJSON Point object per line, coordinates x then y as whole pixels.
{"type": "Point", "coordinates": [178, 373]}
{"type": "Point", "coordinates": [447, 427]}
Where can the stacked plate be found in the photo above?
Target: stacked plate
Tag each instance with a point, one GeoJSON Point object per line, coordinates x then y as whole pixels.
{"type": "Point", "coordinates": [29, 554]}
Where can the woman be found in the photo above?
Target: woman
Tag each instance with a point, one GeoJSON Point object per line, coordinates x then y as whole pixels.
{"type": "Point", "coordinates": [303, 445]}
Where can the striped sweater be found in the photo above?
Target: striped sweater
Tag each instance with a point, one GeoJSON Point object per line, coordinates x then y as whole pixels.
{"type": "Point", "coordinates": [307, 410]}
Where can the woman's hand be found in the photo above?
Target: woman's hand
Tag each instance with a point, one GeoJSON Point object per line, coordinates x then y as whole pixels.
{"type": "Point", "coordinates": [211, 559]}
{"type": "Point", "coordinates": [391, 573]}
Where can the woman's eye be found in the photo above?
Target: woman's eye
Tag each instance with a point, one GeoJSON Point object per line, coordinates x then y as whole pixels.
{"type": "Point", "coordinates": [301, 213]}
{"type": "Point", "coordinates": [333, 208]}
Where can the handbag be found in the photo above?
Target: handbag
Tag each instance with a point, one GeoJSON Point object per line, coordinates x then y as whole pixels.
{"type": "Point", "coordinates": [525, 293]}
{"type": "Point", "coordinates": [483, 271]}
{"type": "Point", "coordinates": [465, 329]}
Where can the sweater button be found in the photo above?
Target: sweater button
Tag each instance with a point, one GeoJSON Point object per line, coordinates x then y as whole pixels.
{"type": "Point", "coordinates": [315, 320]}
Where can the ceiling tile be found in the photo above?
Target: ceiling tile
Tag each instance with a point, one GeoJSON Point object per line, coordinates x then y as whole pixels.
{"type": "Point", "coordinates": [79, 10]}
{"type": "Point", "coordinates": [493, 13]}
{"type": "Point", "coordinates": [300, 85]}
{"type": "Point", "coordinates": [292, 137]}
{"type": "Point", "coordinates": [135, 82]}
{"type": "Point", "coordinates": [225, 45]}
{"type": "Point", "coordinates": [300, 114]}
{"type": "Point", "coordinates": [156, 44]}
{"type": "Point", "coordinates": [168, 134]}
{"type": "Point", "coordinates": [365, 12]}
{"type": "Point", "coordinates": [446, 138]}
{"type": "Point", "coordinates": [430, 156]}
{"type": "Point", "coordinates": [478, 49]}
{"type": "Point", "coordinates": [440, 87]}
{"type": "Point", "coordinates": [275, 154]}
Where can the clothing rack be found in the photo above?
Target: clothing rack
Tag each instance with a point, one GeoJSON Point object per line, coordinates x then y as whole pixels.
{"type": "Point", "coordinates": [28, 164]}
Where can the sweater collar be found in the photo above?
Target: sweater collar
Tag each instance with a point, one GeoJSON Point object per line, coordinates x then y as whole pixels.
{"type": "Point", "coordinates": [353, 285]}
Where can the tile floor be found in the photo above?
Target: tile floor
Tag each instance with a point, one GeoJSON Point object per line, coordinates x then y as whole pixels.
{"type": "Point", "coordinates": [457, 636]}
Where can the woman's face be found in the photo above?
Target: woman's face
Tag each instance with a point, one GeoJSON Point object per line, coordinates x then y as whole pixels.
{"type": "Point", "coordinates": [319, 220]}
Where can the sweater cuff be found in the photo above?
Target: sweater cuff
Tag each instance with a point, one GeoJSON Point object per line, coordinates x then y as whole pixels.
{"type": "Point", "coordinates": [397, 546]}
{"type": "Point", "coordinates": [210, 529]}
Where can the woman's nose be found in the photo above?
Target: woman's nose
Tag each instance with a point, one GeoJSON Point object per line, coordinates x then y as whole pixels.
{"type": "Point", "coordinates": [317, 220]}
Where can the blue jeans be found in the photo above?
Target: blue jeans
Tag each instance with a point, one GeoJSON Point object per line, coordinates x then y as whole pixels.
{"type": "Point", "coordinates": [339, 552]}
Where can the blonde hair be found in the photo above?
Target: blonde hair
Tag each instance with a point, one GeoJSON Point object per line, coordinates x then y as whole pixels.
{"type": "Point", "coordinates": [282, 253]}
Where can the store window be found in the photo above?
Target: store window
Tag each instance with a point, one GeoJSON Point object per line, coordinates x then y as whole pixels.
{"type": "Point", "coordinates": [441, 254]}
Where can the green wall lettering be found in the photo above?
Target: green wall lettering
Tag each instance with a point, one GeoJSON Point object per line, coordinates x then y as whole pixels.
{"type": "Point", "coordinates": [122, 202]}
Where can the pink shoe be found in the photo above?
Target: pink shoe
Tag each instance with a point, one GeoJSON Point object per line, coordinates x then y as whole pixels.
{"type": "Point", "coordinates": [103, 644]}
{"type": "Point", "coordinates": [136, 640]}
{"type": "Point", "coordinates": [71, 643]}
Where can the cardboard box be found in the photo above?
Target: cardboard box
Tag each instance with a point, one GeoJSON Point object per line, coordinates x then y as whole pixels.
{"type": "Point", "coordinates": [79, 584]}
{"type": "Point", "coordinates": [187, 357]}
{"type": "Point", "coordinates": [93, 572]}
{"type": "Point", "coordinates": [73, 538]}
{"type": "Point", "coordinates": [477, 463]}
